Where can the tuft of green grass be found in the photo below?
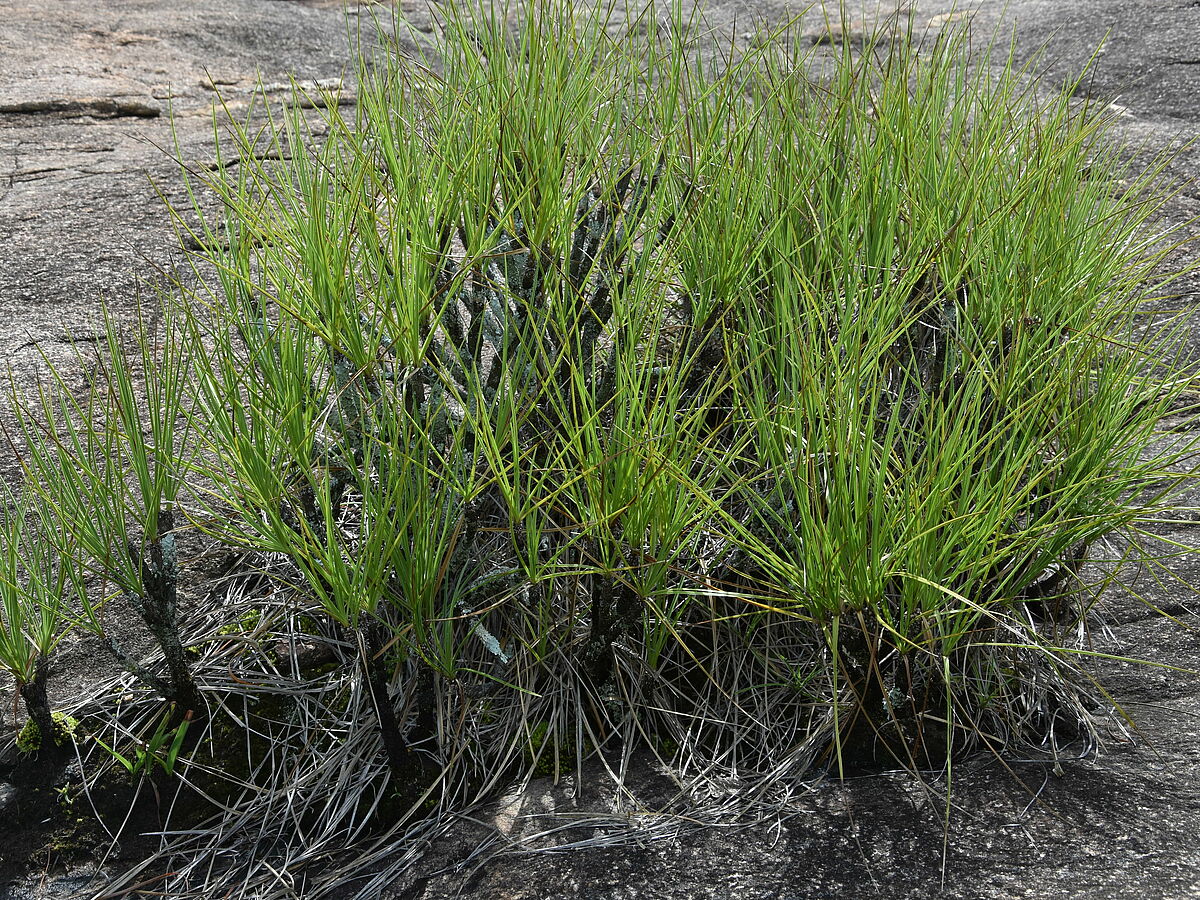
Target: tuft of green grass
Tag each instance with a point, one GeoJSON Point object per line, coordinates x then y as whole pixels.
{"type": "Point", "coordinates": [106, 469]}
{"type": "Point", "coordinates": [36, 583]}
{"type": "Point", "coordinates": [764, 410]}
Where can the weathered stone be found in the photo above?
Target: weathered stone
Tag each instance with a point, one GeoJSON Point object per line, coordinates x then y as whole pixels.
{"type": "Point", "coordinates": [83, 91]}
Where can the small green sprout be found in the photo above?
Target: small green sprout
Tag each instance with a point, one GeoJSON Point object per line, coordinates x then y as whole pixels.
{"type": "Point", "coordinates": [162, 749]}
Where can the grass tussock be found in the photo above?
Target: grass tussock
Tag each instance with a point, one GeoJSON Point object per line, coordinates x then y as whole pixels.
{"type": "Point", "coordinates": [580, 391]}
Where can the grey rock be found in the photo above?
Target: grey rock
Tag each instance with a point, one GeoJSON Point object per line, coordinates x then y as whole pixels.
{"type": "Point", "coordinates": [84, 91]}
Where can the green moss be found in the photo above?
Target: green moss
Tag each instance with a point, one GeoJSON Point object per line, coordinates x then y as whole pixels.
{"type": "Point", "coordinates": [551, 760]}
{"type": "Point", "coordinates": [244, 624]}
{"type": "Point", "coordinates": [73, 840]}
{"type": "Point", "coordinates": [536, 746]}
{"type": "Point", "coordinates": [30, 738]}
{"type": "Point", "coordinates": [666, 746]}
{"type": "Point", "coordinates": [323, 669]}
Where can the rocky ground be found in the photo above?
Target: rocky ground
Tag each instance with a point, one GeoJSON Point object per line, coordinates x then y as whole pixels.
{"type": "Point", "coordinates": [90, 91]}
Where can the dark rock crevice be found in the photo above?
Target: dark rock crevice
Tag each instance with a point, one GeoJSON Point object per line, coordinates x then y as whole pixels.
{"type": "Point", "coordinates": [96, 107]}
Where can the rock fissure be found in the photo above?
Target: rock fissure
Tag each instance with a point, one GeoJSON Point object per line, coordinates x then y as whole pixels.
{"type": "Point", "coordinates": [96, 107]}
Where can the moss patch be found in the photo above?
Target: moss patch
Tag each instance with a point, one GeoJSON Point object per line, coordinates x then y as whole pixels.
{"type": "Point", "coordinates": [30, 738]}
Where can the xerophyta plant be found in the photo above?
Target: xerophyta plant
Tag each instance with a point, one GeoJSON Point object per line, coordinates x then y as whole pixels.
{"type": "Point", "coordinates": [107, 483]}
{"type": "Point", "coordinates": [37, 581]}
{"type": "Point", "coordinates": [589, 389]}
{"type": "Point", "coordinates": [573, 361]}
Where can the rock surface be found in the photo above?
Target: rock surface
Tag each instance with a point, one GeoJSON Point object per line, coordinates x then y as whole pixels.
{"type": "Point", "coordinates": [86, 87]}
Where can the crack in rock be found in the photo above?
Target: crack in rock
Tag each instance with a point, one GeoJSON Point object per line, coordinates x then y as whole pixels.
{"type": "Point", "coordinates": [99, 107]}
{"type": "Point", "coordinates": [33, 174]}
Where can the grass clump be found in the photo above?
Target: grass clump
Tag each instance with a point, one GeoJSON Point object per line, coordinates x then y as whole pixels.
{"type": "Point", "coordinates": [106, 480]}
{"type": "Point", "coordinates": [654, 398]}
{"type": "Point", "coordinates": [36, 580]}
{"type": "Point", "coordinates": [581, 366]}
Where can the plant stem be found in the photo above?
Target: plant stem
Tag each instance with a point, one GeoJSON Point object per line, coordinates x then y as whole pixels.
{"type": "Point", "coordinates": [37, 704]}
{"type": "Point", "coordinates": [160, 573]}
{"type": "Point", "coordinates": [403, 762]}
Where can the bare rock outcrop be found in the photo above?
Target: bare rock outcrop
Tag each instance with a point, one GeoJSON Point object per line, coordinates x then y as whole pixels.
{"type": "Point", "coordinates": [90, 91]}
